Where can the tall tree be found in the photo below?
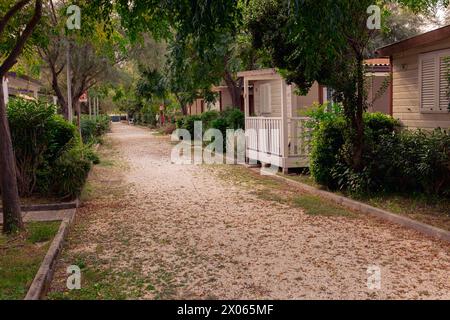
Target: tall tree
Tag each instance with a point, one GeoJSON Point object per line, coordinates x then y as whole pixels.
{"type": "Point", "coordinates": [93, 54]}
{"type": "Point", "coordinates": [325, 41]}
{"type": "Point", "coordinates": [16, 27]}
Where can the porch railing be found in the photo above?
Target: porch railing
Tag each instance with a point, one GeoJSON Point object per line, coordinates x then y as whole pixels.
{"type": "Point", "coordinates": [264, 134]}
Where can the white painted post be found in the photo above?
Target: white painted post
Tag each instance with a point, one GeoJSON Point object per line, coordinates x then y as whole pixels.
{"type": "Point", "coordinates": [5, 90]}
{"type": "Point", "coordinates": [55, 100]}
{"type": "Point", "coordinates": [246, 99]}
{"type": "Point", "coordinates": [284, 125]}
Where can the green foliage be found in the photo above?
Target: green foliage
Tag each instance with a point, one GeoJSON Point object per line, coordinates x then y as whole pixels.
{"type": "Point", "coordinates": [394, 160]}
{"type": "Point", "coordinates": [70, 171]}
{"type": "Point", "coordinates": [38, 136]}
{"type": "Point", "coordinates": [228, 119]}
{"type": "Point", "coordinates": [50, 157]}
{"type": "Point", "coordinates": [189, 122]}
{"type": "Point", "coordinates": [234, 118]}
{"type": "Point", "coordinates": [328, 139]}
{"type": "Point", "coordinates": [208, 117]}
{"type": "Point", "coordinates": [92, 128]}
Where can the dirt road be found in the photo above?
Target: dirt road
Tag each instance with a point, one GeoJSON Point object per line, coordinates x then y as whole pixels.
{"type": "Point", "coordinates": [153, 229]}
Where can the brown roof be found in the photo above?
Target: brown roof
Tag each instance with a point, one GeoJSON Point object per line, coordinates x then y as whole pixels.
{"type": "Point", "coordinates": [377, 62]}
{"type": "Point", "coordinates": [421, 39]}
{"type": "Point", "coordinates": [259, 72]}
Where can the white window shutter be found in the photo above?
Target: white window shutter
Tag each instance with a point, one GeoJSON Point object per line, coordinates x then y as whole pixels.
{"type": "Point", "coordinates": [428, 82]}
{"type": "Point", "coordinates": [444, 65]}
{"type": "Point", "coordinates": [263, 98]}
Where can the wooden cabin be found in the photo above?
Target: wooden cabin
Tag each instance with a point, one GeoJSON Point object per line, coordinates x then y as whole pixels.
{"type": "Point", "coordinates": [273, 126]}
{"type": "Point", "coordinates": [276, 131]}
{"type": "Point", "coordinates": [420, 69]}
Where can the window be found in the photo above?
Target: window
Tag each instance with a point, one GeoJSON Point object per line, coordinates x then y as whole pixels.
{"type": "Point", "coordinates": [265, 96]}
{"type": "Point", "coordinates": [433, 77]}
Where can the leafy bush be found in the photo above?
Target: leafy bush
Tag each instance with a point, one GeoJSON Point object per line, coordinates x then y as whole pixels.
{"type": "Point", "coordinates": [50, 157]}
{"type": "Point", "coordinates": [93, 128]}
{"type": "Point", "coordinates": [326, 144]}
{"type": "Point", "coordinates": [189, 122]}
{"type": "Point", "coordinates": [228, 119]}
{"type": "Point", "coordinates": [234, 118]}
{"type": "Point", "coordinates": [38, 136]}
{"type": "Point", "coordinates": [207, 118]}
{"type": "Point", "coordinates": [70, 171]}
{"type": "Point", "coordinates": [394, 160]}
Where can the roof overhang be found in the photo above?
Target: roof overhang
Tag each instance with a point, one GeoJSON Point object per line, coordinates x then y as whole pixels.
{"type": "Point", "coordinates": [262, 72]}
{"type": "Point", "coordinates": [419, 40]}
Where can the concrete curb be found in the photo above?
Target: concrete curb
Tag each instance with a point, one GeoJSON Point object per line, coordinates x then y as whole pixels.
{"type": "Point", "coordinates": [44, 276]}
{"type": "Point", "coordinates": [367, 209]}
{"type": "Point", "coordinates": [49, 207]}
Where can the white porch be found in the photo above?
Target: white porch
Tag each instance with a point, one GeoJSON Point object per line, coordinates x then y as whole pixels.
{"type": "Point", "coordinates": [268, 141]}
{"type": "Point", "coordinates": [278, 140]}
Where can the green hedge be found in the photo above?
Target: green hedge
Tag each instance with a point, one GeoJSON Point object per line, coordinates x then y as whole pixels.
{"type": "Point", "coordinates": [47, 148]}
{"type": "Point", "coordinates": [92, 128]}
{"type": "Point", "coordinates": [394, 160]}
{"type": "Point", "coordinates": [228, 119]}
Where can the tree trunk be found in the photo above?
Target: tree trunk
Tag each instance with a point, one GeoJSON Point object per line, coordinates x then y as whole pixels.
{"type": "Point", "coordinates": [61, 99]}
{"type": "Point", "coordinates": [358, 123]}
{"type": "Point", "coordinates": [234, 88]}
{"type": "Point", "coordinates": [12, 214]}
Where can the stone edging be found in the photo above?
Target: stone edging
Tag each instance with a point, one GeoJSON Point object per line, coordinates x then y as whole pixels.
{"type": "Point", "coordinates": [367, 209]}
{"type": "Point", "coordinates": [44, 276]}
{"type": "Point", "coordinates": [49, 207]}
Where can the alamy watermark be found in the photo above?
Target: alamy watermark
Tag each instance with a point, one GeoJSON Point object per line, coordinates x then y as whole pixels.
{"type": "Point", "coordinates": [374, 20]}
{"type": "Point", "coordinates": [74, 279]}
{"type": "Point", "coordinates": [236, 147]}
{"type": "Point", "coordinates": [374, 277]}
{"type": "Point", "coordinates": [74, 17]}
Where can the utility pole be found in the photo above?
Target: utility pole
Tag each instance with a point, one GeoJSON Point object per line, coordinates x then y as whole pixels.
{"type": "Point", "coordinates": [69, 86]}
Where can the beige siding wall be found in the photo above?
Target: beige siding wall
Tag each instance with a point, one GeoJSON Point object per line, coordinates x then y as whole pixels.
{"type": "Point", "coordinates": [226, 99]}
{"type": "Point", "coordinates": [275, 94]}
{"type": "Point", "coordinates": [298, 103]}
{"type": "Point", "coordinates": [378, 96]}
{"type": "Point", "coordinates": [406, 101]}
{"type": "Point", "coordinates": [301, 103]}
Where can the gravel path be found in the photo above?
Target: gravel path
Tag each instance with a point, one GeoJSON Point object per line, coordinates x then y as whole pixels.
{"type": "Point", "coordinates": [194, 235]}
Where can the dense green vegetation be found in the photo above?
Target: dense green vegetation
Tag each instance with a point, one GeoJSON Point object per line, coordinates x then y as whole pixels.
{"type": "Point", "coordinates": [21, 258]}
{"type": "Point", "coordinates": [394, 159]}
{"type": "Point", "coordinates": [51, 158]}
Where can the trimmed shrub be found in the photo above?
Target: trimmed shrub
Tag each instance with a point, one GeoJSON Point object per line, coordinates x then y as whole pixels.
{"type": "Point", "coordinates": [92, 128]}
{"type": "Point", "coordinates": [234, 118]}
{"type": "Point", "coordinates": [207, 118]}
{"type": "Point", "coordinates": [70, 171]}
{"type": "Point", "coordinates": [39, 135]}
{"type": "Point", "coordinates": [50, 158]}
{"type": "Point", "coordinates": [326, 144]}
{"type": "Point", "coordinates": [394, 160]}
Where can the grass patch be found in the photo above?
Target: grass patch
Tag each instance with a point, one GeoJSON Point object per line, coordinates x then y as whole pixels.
{"type": "Point", "coordinates": [21, 257]}
{"type": "Point", "coordinates": [432, 210]}
{"type": "Point", "coordinates": [268, 189]}
{"type": "Point", "coordinates": [99, 284]}
{"type": "Point", "coordinates": [316, 206]}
